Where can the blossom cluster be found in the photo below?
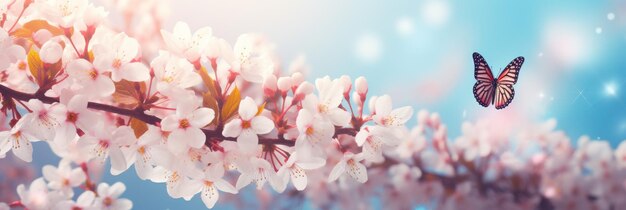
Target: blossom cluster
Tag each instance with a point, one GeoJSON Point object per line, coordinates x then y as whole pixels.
{"type": "Point", "coordinates": [207, 118]}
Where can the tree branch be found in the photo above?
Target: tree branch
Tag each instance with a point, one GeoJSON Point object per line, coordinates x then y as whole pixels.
{"type": "Point", "coordinates": [138, 113]}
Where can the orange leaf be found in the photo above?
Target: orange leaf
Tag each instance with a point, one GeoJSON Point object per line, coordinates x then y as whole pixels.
{"type": "Point", "coordinates": [36, 66]}
{"type": "Point", "coordinates": [231, 105]}
{"type": "Point", "coordinates": [138, 126]}
{"type": "Point", "coordinates": [129, 93]}
{"type": "Point", "coordinates": [209, 83]}
{"type": "Point", "coordinates": [210, 102]}
{"type": "Point", "coordinates": [28, 29]}
{"type": "Point", "coordinates": [258, 112]}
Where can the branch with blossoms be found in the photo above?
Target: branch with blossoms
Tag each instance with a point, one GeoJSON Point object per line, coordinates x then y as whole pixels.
{"type": "Point", "coordinates": [208, 118]}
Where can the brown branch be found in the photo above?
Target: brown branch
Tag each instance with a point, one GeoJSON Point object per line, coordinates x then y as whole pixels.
{"type": "Point", "coordinates": [138, 113]}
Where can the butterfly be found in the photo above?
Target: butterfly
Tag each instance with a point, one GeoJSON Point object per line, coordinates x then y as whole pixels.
{"type": "Point", "coordinates": [498, 91]}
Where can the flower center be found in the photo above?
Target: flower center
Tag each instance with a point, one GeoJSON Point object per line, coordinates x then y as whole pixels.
{"type": "Point", "coordinates": [141, 150]}
{"type": "Point", "coordinates": [208, 183]}
{"type": "Point", "coordinates": [93, 74]}
{"type": "Point", "coordinates": [117, 63]}
{"type": "Point", "coordinates": [66, 182]}
{"type": "Point", "coordinates": [246, 124]}
{"type": "Point", "coordinates": [184, 123]}
{"type": "Point", "coordinates": [322, 108]}
{"type": "Point", "coordinates": [72, 117]}
{"type": "Point", "coordinates": [21, 65]}
{"type": "Point", "coordinates": [108, 201]}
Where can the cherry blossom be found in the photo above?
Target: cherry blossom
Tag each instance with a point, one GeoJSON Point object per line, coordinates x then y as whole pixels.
{"type": "Point", "coordinates": [248, 126]}
{"type": "Point", "coordinates": [51, 52]}
{"type": "Point", "coordinates": [171, 71]}
{"type": "Point", "coordinates": [63, 12]}
{"type": "Point", "coordinates": [294, 169]}
{"type": "Point", "coordinates": [76, 115]}
{"type": "Point", "coordinates": [142, 153]}
{"type": "Point", "coordinates": [63, 177]}
{"type": "Point", "coordinates": [37, 196]}
{"type": "Point", "coordinates": [314, 135]}
{"type": "Point", "coordinates": [327, 105]}
{"type": "Point", "coordinates": [350, 163]}
{"type": "Point", "coordinates": [108, 197]}
{"type": "Point", "coordinates": [211, 183]}
{"type": "Point", "coordinates": [117, 56]}
{"type": "Point", "coordinates": [385, 116]}
{"type": "Point", "coordinates": [92, 80]}
{"type": "Point", "coordinates": [182, 42]}
{"type": "Point", "coordinates": [43, 119]}
{"type": "Point", "coordinates": [261, 172]}
{"type": "Point", "coordinates": [18, 141]}
{"type": "Point", "coordinates": [105, 143]}
{"type": "Point", "coordinates": [11, 52]}
{"type": "Point", "coordinates": [185, 125]}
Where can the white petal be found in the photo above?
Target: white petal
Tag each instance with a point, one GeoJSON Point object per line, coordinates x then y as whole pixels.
{"type": "Point", "coordinates": [176, 141]}
{"type": "Point", "coordinates": [305, 117]}
{"type": "Point", "coordinates": [312, 163]}
{"type": "Point", "coordinates": [134, 72]}
{"type": "Point", "coordinates": [339, 117]}
{"type": "Point", "coordinates": [232, 128]}
{"type": "Point", "coordinates": [337, 171]}
{"type": "Point", "coordinates": [262, 124]}
{"type": "Point", "coordinates": [243, 180]}
{"type": "Point", "coordinates": [247, 141]}
{"type": "Point", "coordinates": [401, 115]}
{"type": "Point", "coordinates": [201, 117]}
{"type": "Point", "coordinates": [224, 186]}
{"type": "Point", "coordinates": [209, 196]}
{"type": "Point", "coordinates": [383, 105]}
{"type": "Point", "coordinates": [298, 177]}
{"type": "Point", "coordinates": [24, 150]}
{"type": "Point", "coordinates": [50, 173]}
{"type": "Point", "coordinates": [104, 86]}
{"type": "Point", "coordinates": [357, 171]}
{"type": "Point", "coordinates": [170, 123]}
{"type": "Point", "coordinates": [195, 137]}
{"type": "Point", "coordinates": [247, 108]}
{"type": "Point", "coordinates": [118, 161]}
{"type": "Point", "coordinates": [361, 137]}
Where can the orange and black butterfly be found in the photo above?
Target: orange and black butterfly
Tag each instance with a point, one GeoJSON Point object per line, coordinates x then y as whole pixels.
{"type": "Point", "coordinates": [498, 91]}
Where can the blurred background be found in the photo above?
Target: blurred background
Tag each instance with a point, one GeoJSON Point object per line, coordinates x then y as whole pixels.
{"type": "Point", "coordinates": [420, 53]}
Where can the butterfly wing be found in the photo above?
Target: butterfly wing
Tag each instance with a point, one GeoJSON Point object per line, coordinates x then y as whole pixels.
{"type": "Point", "coordinates": [504, 92]}
{"type": "Point", "coordinates": [484, 88]}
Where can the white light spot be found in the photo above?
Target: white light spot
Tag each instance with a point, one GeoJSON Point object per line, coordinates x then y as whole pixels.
{"type": "Point", "coordinates": [540, 54]}
{"type": "Point", "coordinates": [551, 98]}
{"type": "Point", "coordinates": [610, 89]}
{"type": "Point", "coordinates": [436, 12]}
{"type": "Point", "coordinates": [464, 113]}
{"type": "Point", "coordinates": [368, 48]}
{"type": "Point", "coordinates": [610, 16]}
{"type": "Point", "coordinates": [598, 30]}
{"type": "Point", "coordinates": [405, 26]}
{"type": "Point", "coordinates": [542, 95]}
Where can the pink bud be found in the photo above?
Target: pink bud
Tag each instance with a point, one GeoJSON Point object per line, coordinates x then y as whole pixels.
{"type": "Point", "coordinates": [435, 120]}
{"type": "Point", "coordinates": [42, 36]}
{"type": "Point", "coordinates": [422, 117]}
{"type": "Point", "coordinates": [269, 85]}
{"type": "Point", "coordinates": [360, 84]}
{"type": "Point", "coordinates": [372, 104]}
{"type": "Point", "coordinates": [284, 84]}
{"type": "Point", "coordinates": [304, 89]}
{"type": "Point", "coordinates": [296, 79]}
{"type": "Point", "coordinates": [347, 84]}
{"type": "Point", "coordinates": [51, 52]}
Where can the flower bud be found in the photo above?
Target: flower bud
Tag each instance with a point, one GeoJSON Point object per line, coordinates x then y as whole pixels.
{"type": "Point", "coordinates": [51, 52]}
{"type": "Point", "coordinates": [360, 85]}
{"type": "Point", "coordinates": [296, 79]}
{"type": "Point", "coordinates": [269, 85]}
{"type": "Point", "coordinates": [303, 89]}
{"type": "Point", "coordinates": [422, 117]}
{"type": "Point", "coordinates": [435, 120]}
{"type": "Point", "coordinates": [284, 84]}
{"type": "Point", "coordinates": [347, 85]}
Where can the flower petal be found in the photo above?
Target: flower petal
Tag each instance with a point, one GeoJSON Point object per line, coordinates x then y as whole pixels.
{"type": "Point", "coordinates": [201, 117]}
{"type": "Point", "coordinates": [262, 124]}
{"type": "Point", "coordinates": [247, 108]}
{"type": "Point", "coordinates": [232, 128]}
